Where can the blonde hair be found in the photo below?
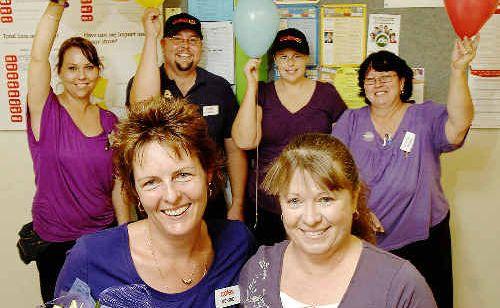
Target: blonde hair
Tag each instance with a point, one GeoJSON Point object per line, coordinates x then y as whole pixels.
{"type": "Point", "coordinates": [331, 165]}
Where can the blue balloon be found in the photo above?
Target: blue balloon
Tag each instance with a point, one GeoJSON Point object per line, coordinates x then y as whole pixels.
{"type": "Point", "coordinates": [256, 23]}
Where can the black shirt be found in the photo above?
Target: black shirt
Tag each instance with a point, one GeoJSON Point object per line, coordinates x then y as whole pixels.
{"type": "Point", "coordinates": [214, 96]}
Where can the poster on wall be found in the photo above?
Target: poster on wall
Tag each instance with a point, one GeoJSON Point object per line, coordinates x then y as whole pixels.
{"type": "Point", "coordinates": [484, 76]}
{"type": "Point", "coordinates": [343, 33]}
{"type": "Point", "coordinates": [211, 10]}
{"type": "Point", "coordinates": [418, 84]}
{"type": "Point", "coordinates": [383, 33]}
{"type": "Point", "coordinates": [115, 30]}
{"type": "Point", "coordinates": [345, 79]}
{"type": "Point", "coordinates": [295, 1]}
{"type": "Point", "coordinates": [305, 18]}
{"type": "Point", "coordinates": [218, 49]}
{"type": "Point", "coordinates": [412, 3]}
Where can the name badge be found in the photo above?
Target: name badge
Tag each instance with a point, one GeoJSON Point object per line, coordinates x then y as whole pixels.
{"type": "Point", "coordinates": [226, 297]}
{"type": "Point", "coordinates": [210, 110]}
{"type": "Point", "coordinates": [408, 141]}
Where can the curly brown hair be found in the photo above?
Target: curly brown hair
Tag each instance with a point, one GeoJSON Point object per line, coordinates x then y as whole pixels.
{"type": "Point", "coordinates": [172, 122]}
{"type": "Point", "coordinates": [331, 165]}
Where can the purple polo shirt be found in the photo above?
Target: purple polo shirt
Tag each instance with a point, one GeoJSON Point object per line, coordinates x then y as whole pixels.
{"type": "Point", "coordinates": [279, 126]}
{"type": "Point", "coordinates": [405, 188]}
{"type": "Point", "coordinates": [73, 175]}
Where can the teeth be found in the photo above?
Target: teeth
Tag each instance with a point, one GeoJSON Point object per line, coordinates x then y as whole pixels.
{"type": "Point", "coordinates": [175, 212]}
{"type": "Point", "coordinates": [314, 233]}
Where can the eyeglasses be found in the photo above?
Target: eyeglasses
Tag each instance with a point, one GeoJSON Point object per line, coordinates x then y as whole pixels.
{"type": "Point", "coordinates": [192, 41]}
{"type": "Point", "coordinates": [382, 79]}
{"type": "Point", "coordinates": [282, 59]}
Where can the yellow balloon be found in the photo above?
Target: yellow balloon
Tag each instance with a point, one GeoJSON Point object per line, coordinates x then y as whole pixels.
{"type": "Point", "coordinates": [150, 3]}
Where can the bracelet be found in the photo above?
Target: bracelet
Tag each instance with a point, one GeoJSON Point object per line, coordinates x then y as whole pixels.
{"type": "Point", "coordinates": [65, 4]}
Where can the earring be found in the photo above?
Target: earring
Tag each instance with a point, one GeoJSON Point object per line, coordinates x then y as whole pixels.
{"type": "Point", "coordinates": [210, 190]}
{"type": "Point", "coordinates": [140, 207]}
{"type": "Point", "coordinates": [355, 215]}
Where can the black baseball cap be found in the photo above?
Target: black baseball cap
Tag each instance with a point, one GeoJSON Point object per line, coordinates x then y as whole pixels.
{"type": "Point", "coordinates": [290, 38]}
{"type": "Point", "coordinates": [181, 21]}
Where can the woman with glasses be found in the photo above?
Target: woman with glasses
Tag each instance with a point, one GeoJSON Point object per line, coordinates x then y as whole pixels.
{"type": "Point", "coordinates": [397, 145]}
{"type": "Point", "coordinates": [271, 114]}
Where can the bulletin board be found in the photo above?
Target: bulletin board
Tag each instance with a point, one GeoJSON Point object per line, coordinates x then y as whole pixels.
{"type": "Point", "coordinates": [426, 41]}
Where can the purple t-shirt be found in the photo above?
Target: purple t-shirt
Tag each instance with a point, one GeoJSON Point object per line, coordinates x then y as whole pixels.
{"type": "Point", "coordinates": [73, 175]}
{"type": "Point", "coordinates": [279, 126]}
{"type": "Point", "coordinates": [405, 188]}
{"type": "Point", "coordinates": [116, 283]}
{"type": "Point", "coordinates": [380, 280]}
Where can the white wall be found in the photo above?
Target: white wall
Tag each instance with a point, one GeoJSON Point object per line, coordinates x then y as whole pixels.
{"type": "Point", "coordinates": [470, 177]}
{"type": "Point", "coordinates": [18, 282]}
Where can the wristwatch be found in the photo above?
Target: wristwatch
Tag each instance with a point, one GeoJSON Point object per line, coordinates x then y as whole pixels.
{"type": "Point", "coordinates": [64, 3]}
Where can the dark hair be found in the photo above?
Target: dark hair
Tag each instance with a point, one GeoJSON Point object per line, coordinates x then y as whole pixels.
{"type": "Point", "coordinates": [331, 165]}
{"type": "Point", "coordinates": [385, 61]}
{"type": "Point", "coordinates": [88, 50]}
{"type": "Point", "coordinates": [171, 122]}
{"type": "Point", "coordinates": [289, 38]}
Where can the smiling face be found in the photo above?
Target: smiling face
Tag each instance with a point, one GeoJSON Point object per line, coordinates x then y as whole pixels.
{"type": "Point", "coordinates": [317, 221]}
{"type": "Point", "coordinates": [78, 75]}
{"type": "Point", "coordinates": [291, 64]}
{"type": "Point", "coordinates": [183, 50]}
{"type": "Point", "coordinates": [172, 189]}
{"type": "Point", "coordinates": [383, 89]}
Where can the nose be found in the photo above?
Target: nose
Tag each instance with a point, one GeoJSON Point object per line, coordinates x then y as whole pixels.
{"type": "Point", "coordinates": [184, 42]}
{"type": "Point", "coordinates": [290, 61]}
{"type": "Point", "coordinates": [81, 73]}
{"type": "Point", "coordinates": [312, 214]}
{"type": "Point", "coordinates": [170, 193]}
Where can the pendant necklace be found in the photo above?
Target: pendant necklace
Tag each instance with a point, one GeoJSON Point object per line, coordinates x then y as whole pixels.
{"type": "Point", "coordinates": [186, 281]}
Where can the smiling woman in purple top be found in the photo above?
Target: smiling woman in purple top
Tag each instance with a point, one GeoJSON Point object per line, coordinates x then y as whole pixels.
{"type": "Point", "coordinates": [271, 114]}
{"type": "Point", "coordinates": [68, 140]}
{"type": "Point", "coordinates": [170, 166]}
{"type": "Point", "coordinates": [329, 261]}
{"type": "Point", "coordinates": [397, 146]}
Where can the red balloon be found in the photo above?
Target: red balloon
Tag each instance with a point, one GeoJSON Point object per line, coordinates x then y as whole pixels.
{"type": "Point", "coordinates": [468, 16]}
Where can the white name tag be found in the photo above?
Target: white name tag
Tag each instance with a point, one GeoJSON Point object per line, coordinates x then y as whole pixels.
{"type": "Point", "coordinates": [210, 110]}
{"type": "Point", "coordinates": [227, 296]}
{"type": "Point", "coordinates": [408, 141]}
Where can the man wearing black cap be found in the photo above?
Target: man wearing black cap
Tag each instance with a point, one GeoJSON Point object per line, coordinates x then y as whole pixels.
{"type": "Point", "coordinates": [181, 77]}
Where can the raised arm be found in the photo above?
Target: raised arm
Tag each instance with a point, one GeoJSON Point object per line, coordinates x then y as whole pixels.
{"type": "Point", "coordinates": [247, 126]}
{"type": "Point", "coordinates": [459, 104]}
{"type": "Point", "coordinates": [39, 67]}
{"type": "Point", "coordinates": [146, 82]}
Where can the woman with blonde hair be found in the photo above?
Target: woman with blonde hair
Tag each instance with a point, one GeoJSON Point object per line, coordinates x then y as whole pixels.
{"type": "Point", "coordinates": [329, 259]}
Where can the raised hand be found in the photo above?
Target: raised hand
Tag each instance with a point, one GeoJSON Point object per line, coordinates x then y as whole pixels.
{"type": "Point", "coordinates": [151, 21]}
{"type": "Point", "coordinates": [463, 52]}
{"type": "Point", "coordinates": [252, 72]}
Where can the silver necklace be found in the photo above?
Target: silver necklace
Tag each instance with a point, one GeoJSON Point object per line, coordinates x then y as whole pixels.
{"type": "Point", "coordinates": [186, 281]}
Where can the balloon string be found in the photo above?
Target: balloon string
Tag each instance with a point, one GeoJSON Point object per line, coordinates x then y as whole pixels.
{"type": "Point", "coordinates": [257, 175]}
